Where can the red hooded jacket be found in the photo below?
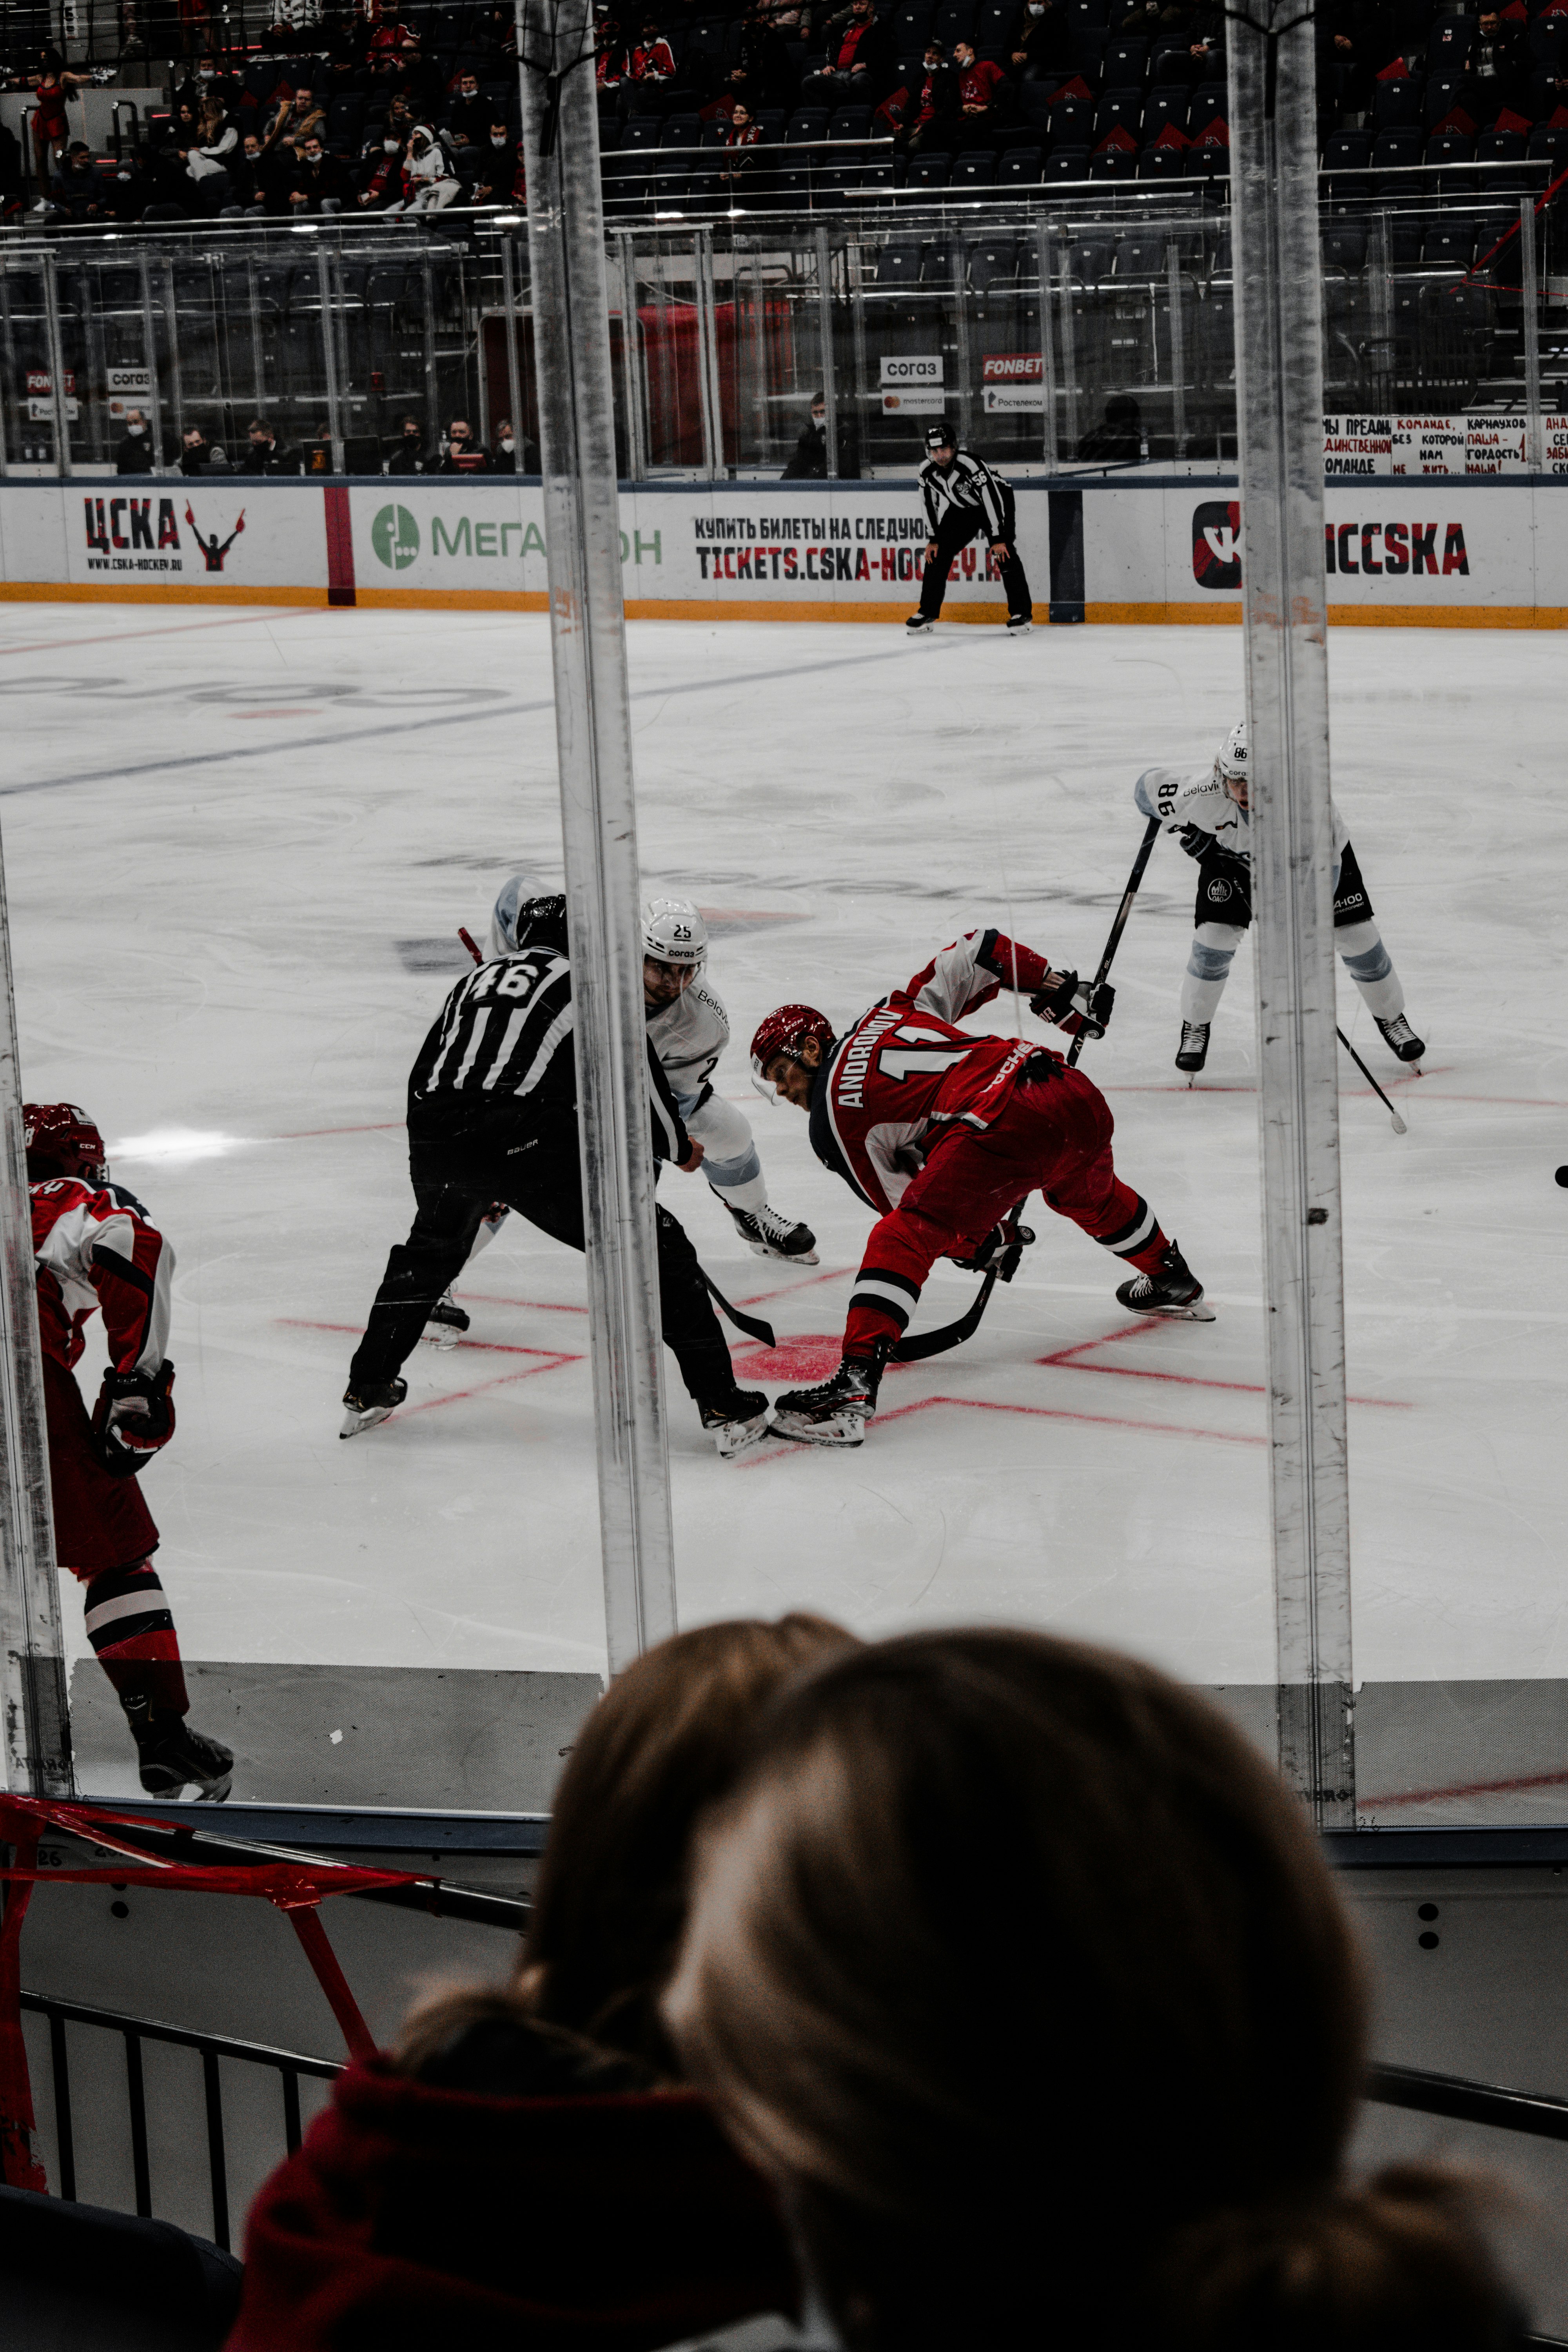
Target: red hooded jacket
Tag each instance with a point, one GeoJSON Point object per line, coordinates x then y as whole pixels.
{"type": "Point", "coordinates": [414, 2216]}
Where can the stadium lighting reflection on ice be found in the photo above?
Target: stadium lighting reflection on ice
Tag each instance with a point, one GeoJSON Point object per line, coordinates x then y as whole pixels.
{"type": "Point", "coordinates": [176, 1146]}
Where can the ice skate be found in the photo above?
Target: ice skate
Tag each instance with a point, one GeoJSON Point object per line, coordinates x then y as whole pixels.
{"type": "Point", "coordinates": [737, 1421]}
{"type": "Point", "coordinates": [369, 1407]}
{"type": "Point", "coordinates": [768, 1234]}
{"type": "Point", "coordinates": [1400, 1039]}
{"type": "Point", "coordinates": [170, 1753]}
{"type": "Point", "coordinates": [1194, 1050]}
{"type": "Point", "coordinates": [1020, 623]}
{"type": "Point", "coordinates": [834, 1413]}
{"type": "Point", "coordinates": [446, 1323]}
{"type": "Point", "coordinates": [917, 625]}
{"type": "Point", "coordinates": [1174, 1292]}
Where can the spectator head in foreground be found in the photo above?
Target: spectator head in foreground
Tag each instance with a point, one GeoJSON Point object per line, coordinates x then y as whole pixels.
{"type": "Point", "coordinates": [1020, 1973]}
{"type": "Point", "coordinates": [664, 1742]}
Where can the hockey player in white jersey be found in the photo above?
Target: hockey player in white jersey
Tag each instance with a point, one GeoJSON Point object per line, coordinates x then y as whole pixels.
{"type": "Point", "coordinates": [1206, 807]}
{"type": "Point", "coordinates": [689, 1029]}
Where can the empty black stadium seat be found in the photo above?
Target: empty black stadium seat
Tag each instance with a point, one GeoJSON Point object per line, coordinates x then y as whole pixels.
{"type": "Point", "coordinates": [995, 23]}
{"type": "Point", "coordinates": [1065, 164]}
{"type": "Point", "coordinates": [898, 263]}
{"type": "Point", "coordinates": [1345, 244]}
{"type": "Point", "coordinates": [976, 169]}
{"type": "Point", "coordinates": [1113, 164]}
{"type": "Point", "coordinates": [806, 124]}
{"type": "Point", "coordinates": [1070, 123]}
{"type": "Point", "coordinates": [1396, 151]}
{"type": "Point", "coordinates": [682, 130]}
{"type": "Point", "coordinates": [1089, 51]}
{"type": "Point", "coordinates": [1119, 110]}
{"type": "Point", "coordinates": [929, 170]}
{"type": "Point", "coordinates": [1020, 167]}
{"type": "Point", "coordinates": [1209, 98]}
{"type": "Point", "coordinates": [1449, 243]}
{"type": "Point", "coordinates": [1170, 106]}
{"type": "Point", "coordinates": [992, 263]}
{"type": "Point", "coordinates": [1092, 255]}
{"type": "Point", "coordinates": [1035, 102]}
{"type": "Point", "coordinates": [1141, 258]}
{"type": "Point", "coordinates": [850, 122]}
{"type": "Point", "coordinates": [1396, 103]}
{"type": "Point", "coordinates": [953, 21]}
{"type": "Point", "coordinates": [1348, 151]}
{"type": "Point", "coordinates": [1442, 93]}
{"type": "Point", "coordinates": [1164, 164]}
{"type": "Point", "coordinates": [1406, 232]}
{"type": "Point", "coordinates": [1449, 43]}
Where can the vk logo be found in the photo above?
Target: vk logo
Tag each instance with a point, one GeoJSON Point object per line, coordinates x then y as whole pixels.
{"type": "Point", "coordinates": [1216, 544]}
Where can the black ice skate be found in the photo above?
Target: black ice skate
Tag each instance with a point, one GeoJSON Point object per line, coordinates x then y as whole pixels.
{"type": "Point", "coordinates": [170, 1753]}
{"type": "Point", "coordinates": [1174, 1292]}
{"type": "Point", "coordinates": [917, 624]}
{"type": "Point", "coordinates": [370, 1406]}
{"type": "Point", "coordinates": [1400, 1039]}
{"type": "Point", "coordinates": [446, 1323]}
{"type": "Point", "coordinates": [736, 1421]}
{"type": "Point", "coordinates": [837, 1412]}
{"type": "Point", "coordinates": [1194, 1050]}
{"type": "Point", "coordinates": [1019, 624]}
{"type": "Point", "coordinates": [768, 1234]}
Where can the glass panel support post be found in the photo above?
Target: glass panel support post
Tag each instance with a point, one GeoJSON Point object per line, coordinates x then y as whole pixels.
{"type": "Point", "coordinates": [1279, 405]}
{"type": "Point", "coordinates": [514, 357]}
{"type": "Point", "coordinates": [7, 361]}
{"type": "Point", "coordinates": [861, 400]}
{"type": "Point", "coordinates": [57, 367]}
{"type": "Point", "coordinates": [1069, 348]}
{"type": "Point", "coordinates": [330, 355]}
{"type": "Point", "coordinates": [37, 1753]}
{"type": "Point", "coordinates": [1379, 276]}
{"type": "Point", "coordinates": [1178, 352]}
{"type": "Point", "coordinates": [1046, 251]}
{"type": "Point", "coordinates": [707, 354]}
{"type": "Point", "coordinates": [632, 366]}
{"type": "Point", "coordinates": [593, 727]}
{"type": "Point", "coordinates": [958, 266]}
{"type": "Point", "coordinates": [824, 332]}
{"type": "Point", "coordinates": [171, 344]}
{"type": "Point", "coordinates": [1529, 285]}
{"type": "Point", "coordinates": [150, 345]}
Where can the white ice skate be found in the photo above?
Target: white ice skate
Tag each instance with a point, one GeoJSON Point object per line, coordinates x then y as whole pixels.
{"type": "Point", "coordinates": [1400, 1039]}
{"type": "Point", "coordinates": [1194, 1050]}
{"type": "Point", "coordinates": [1173, 1292]}
{"type": "Point", "coordinates": [767, 1234]}
{"type": "Point", "coordinates": [736, 1422]}
{"type": "Point", "coordinates": [1020, 623]}
{"type": "Point", "coordinates": [836, 1411]}
{"type": "Point", "coordinates": [917, 625]}
{"type": "Point", "coordinates": [446, 1323]}
{"type": "Point", "coordinates": [368, 1407]}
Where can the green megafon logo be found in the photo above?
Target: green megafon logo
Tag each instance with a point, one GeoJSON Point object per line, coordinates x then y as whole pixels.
{"type": "Point", "coordinates": [394, 535]}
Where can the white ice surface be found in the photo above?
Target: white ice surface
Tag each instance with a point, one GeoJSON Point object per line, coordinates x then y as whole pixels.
{"type": "Point", "coordinates": [216, 832]}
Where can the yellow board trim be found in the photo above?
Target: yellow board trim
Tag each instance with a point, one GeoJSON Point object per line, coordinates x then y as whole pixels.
{"type": "Point", "coordinates": [675, 608]}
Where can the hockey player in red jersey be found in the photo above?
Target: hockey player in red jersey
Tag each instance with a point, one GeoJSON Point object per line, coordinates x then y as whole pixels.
{"type": "Point", "coordinates": [94, 1248]}
{"type": "Point", "coordinates": [944, 1133]}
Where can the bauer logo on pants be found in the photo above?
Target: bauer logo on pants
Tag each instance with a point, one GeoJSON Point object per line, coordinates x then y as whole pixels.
{"type": "Point", "coordinates": [1216, 544]}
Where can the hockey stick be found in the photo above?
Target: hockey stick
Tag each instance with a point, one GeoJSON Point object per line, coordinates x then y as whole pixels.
{"type": "Point", "coordinates": [467, 938]}
{"type": "Point", "coordinates": [1118, 927]}
{"type": "Point", "coordinates": [915, 1348]}
{"type": "Point", "coordinates": [753, 1325]}
{"type": "Point", "coordinates": [1399, 1126]}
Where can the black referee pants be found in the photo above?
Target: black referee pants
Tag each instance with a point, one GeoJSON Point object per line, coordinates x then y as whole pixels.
{"type": "Point", "coordinates": [956, 529]}
{"type": "Point", "coordinates": [454, 1184]}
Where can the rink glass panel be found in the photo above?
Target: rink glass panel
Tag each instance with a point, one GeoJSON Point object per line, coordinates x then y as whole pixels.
{"type": "Point", "coordinates": [723, 330]}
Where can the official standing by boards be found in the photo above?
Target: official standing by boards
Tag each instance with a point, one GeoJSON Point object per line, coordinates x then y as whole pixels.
{"type": "Point", "coordinates": [963, 496]}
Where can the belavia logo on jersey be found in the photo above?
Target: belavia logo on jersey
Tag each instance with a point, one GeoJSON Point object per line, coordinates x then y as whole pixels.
{"type": "Point", "coordinates": [118, 529]}
{"type": "Point", "coordinates": [1216, 543]}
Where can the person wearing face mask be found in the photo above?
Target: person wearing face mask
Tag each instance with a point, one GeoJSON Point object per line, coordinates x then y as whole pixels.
{"type": "Point", "coordinates": [493, 168]}
{"type": "Point", "coordinates": [316, 175]}
{"type": "Point", "coordinates": [134, 455]}
{"type": "Point", "coordinates": [809, 463]}
{"type": "Point", "coordinates": [128, 193]}
{"type": "Point", "coordinates": [429, 183]}
{"type": "Point", "coordinates": [406, 454]}
{"type": "Point", "coordinates": [463, 454]}
{"type": "Point", "coordinates": [381, 173]}
{"type": "Point", "coordinates": [468, 118]}
{"type": "Point", "coordinates": [263, 454]}
{"type": "Point", "coordinates": [511, 456]}
{"type": "Point", "coordinates": [1043, 42]}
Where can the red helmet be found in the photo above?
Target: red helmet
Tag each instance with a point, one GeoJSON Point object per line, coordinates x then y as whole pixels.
{"type": "Point", "coordinates": [62, 1141]}
{"type": "Point", "coordinates": [785, 1030]}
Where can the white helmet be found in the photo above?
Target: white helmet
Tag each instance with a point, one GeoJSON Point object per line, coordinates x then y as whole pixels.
{"type": "Point", "coordinates": [1231, 758]}
{"type": "Point", "coordinates": [674, 933]}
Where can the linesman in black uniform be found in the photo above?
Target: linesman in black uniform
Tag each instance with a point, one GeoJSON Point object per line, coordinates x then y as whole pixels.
{"type": "Point", "coordinates": [493, 1116]}
{"type": "Point", "coordinates": [962, 497]}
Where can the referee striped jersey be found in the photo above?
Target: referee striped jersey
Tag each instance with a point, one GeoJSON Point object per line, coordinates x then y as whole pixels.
{"type": "Point", "coordinates": [968, 483]}
{"type": "Point", "coordinates": [501, 1058]}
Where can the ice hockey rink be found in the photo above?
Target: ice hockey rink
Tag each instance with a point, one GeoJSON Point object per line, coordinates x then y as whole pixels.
{"type": "Point", "coordinates": [238, 850]}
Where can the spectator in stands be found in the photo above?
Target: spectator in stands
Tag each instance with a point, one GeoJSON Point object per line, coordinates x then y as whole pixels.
{"type": "Point", "coordinates": [649, 68]}
{"type": "Point", "coordinates": [248, 177]}
{"type": "Point", "coordinates": [50, 126]}
{"type": "Point", "coordinates": [407, 454]}
{"type": "Point", "coordinates": [464, 455]}
{"type": "Point", "coordinates": [316, 175]}
{"type": "Point", "coordinates": [263, 454]}
{"type": "Point", "coordinates": [470, 114]}
{"type": "Point", "coordinates": [296, 114]}
{"type": "Point", "coordinates": [75, 189]}
{"type": "Point", "coordinates": [857, 59]}
{"type": "Point", "coordinates": [1500, 69]}
{"type": "Point", "coordinates": [129, 192]}
{"type": "Point", "coordinates": [809, 463]}
{"type": "Point", "coordinates": [429, 183]}
{"type": "Point", "coordinates": [1117, 439]}
{"type": "Point", "coordinates": [610, 70]}
{"type": "Point", "coordinates": [982, 95]}
{"type": "Point", "coordinates": [921, 1979]}
{"type": "Point", "coordinates": [494, 167]}
{"type": "Point", "coordinates": [381, 173]}
{"type": "Point", "coordinates": [134, 454]}
{"type": "Point", "coordinates": [1042, 45]}
{"type": "Point", "coordinates": [197, 454]}
{"type": "Point", "coordinates": [526, 2168]}
{"type": "Point", "coordinates": [763, 74]}
{"type": "Point", "coordinates": [207, 155]}
{"type": "Point", "coordinates": [936, 121]}
{"type": "Point", "coordinates": [512, 456]}
{"type": "Point", "coordinates": [743, 135]}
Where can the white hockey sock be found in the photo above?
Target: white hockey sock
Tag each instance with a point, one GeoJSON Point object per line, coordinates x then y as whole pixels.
{"type": "Point", "coordinates": [751, 1193]}
{"type": "Point", "coordinates": [1369, 965]}
{"type": "Point", "coordinates": [1208, 968]}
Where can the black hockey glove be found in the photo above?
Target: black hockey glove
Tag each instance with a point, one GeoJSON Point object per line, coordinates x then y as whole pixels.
{"type": "Point", "coordinates": [1195, 841]}
{"type": "Point", "coordinates": [1074, 1004]}
{"type": "Point", "coordinates": [1001, 1248]}
{"type": "Point", "coordinates": [133, 1418]}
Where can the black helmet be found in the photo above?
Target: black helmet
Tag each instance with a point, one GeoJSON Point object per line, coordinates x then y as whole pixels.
{"type": "Point", "coordinates": [941, 436]}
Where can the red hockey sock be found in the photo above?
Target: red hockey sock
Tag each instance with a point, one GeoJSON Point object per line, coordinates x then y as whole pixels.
{"type": "Point", "coordinates": [130, 1628]}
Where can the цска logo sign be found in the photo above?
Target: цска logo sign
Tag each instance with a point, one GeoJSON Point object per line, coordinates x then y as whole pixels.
{"type": "Point", "coordinates": [394, 535]}
{"type": "Point", "coordinates": [1216, 543]}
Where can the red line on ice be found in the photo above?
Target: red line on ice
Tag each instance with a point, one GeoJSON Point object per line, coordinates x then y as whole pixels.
{"type": "Point", "coordinates": [172, 629]}
{"type": "Point", "coordinates": [1034, 1412]}
{"type": "Point", "coordinates": [1466, 1789]}
{"type": "Point", "coordinates": [491, 1347]}
{"type": "Point", "coordinates": [303, 1134]}
{"type": "Point", "coordinates": [501, 1381]}
{"type": "Point", "coordinates": [1064, 1358]}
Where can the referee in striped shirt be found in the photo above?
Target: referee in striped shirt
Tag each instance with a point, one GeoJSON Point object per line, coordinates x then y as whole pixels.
{"type": "Point", "coordinates": [962, 496]}
{"type": "Point", "coordinates": [493, 1116]}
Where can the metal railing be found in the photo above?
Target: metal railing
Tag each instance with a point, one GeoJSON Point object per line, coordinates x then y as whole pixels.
{"type": "Point", "coordinates": [288, 2065]}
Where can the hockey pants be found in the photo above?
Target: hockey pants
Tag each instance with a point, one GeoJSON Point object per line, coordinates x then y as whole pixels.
{"type": "Point", "coordinates": [1215, 943]}
{"type": "Point", "coordinates": [454, 1186]}
{"type": "Point", "coordinates": [956, 529]}
{"type": "Point", "coordinates": [1054, 1137]}
{"type": "Point", "coordinates": [729, 1151]}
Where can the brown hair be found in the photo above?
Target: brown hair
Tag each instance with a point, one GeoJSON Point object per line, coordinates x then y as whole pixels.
{"type": "Point", "coordinates": [665, 1740]}
{"type": "Point", "coordinates": [1018, 1968]}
